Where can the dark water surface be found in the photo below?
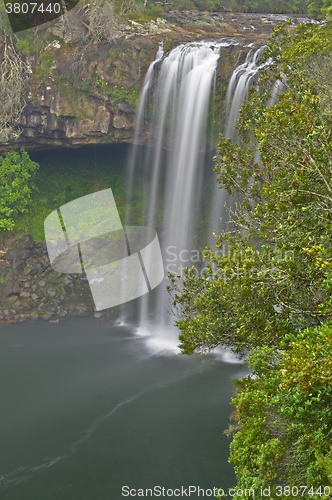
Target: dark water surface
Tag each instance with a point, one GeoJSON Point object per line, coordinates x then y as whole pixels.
{"type": "Point", "coordinates": [85, 410]}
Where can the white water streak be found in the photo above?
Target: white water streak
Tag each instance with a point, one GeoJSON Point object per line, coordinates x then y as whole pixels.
{"type": "Point", "coordinates": [22, 474]}
{"type": "Point", "coordinates": [242, 78]}
{"type": "Point", "coordinates": [179, 126]}
{"type": "Point", "coordinates": [139, 122]}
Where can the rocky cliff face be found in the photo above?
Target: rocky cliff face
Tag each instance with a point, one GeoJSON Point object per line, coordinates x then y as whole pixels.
{"type": "Point", "coordinates": [63, 111]}
{"type": "Point", "coordinates": [99, 107]}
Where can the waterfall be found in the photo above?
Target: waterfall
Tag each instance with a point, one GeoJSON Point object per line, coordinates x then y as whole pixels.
{"type": "Point", "coordinates": [176, 96]}
{"type": "Point", "coordinates": [139, 122]}
{"type": "Point", "coordinates": [242, 78]}
{"type": "Point", "coordinates": [174, 160]}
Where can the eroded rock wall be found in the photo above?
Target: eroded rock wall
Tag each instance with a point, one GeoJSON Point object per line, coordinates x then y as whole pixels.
{"type": "Point", "coordinates": [63, 110]}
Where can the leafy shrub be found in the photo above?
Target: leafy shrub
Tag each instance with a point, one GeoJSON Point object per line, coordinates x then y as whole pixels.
{"type": "Point", "coordinates": [29, 45]}
{"type": "Point", "coordinates": [15, 187]}
{"type": "Point", "coordinates": [284, 415]}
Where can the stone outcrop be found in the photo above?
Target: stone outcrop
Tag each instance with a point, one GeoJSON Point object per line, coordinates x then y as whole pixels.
{"type": "Point", "coordinates": [34, 291]}
{"type": "Point", "coordinates": [65, 111]}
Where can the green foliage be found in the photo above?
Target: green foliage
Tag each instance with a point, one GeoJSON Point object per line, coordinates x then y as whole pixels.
{"type": "Point", "coordinates": [166, 45]}
{"type": "Point", "coordinates": [263, 6]}
{"type": "Point", "coordinates": [284, 415]}
{"type": "Point", "coordinates": [15, 187]}
{"type": "Point", "coordinates": [68, 84]}
{"type": "Point", "coordinates": [47, 61]}
{"type": "Point", "coordinates": [155, 11]}
{"type": "Point", "coordinates": [268, 286]}
{"type": "Point", "coordinates": [117, 93]}
{"type": "Point", "coordinates": [30, 44]}
{"type": "Point", "coordinates": [315, 9]}
{"type": "Point", "coordinates": [66, 175]}
{"type": "Point", "coordinates": [318, 9]}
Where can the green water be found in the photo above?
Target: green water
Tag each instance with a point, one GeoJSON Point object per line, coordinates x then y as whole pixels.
{"type": "Point", "coordinates": [86, 409]}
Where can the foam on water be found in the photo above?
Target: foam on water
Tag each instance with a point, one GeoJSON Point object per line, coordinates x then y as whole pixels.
{"type": "Point", "coordinates": [160, 340]}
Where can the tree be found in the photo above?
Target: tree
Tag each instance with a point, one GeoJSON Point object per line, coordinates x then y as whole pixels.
{"type": "Point", "coordinates": [16, 187]}
{"type": "Point", "coordinates": [315, 9]}
{"type": "Point", "coordinates": [283, 418]}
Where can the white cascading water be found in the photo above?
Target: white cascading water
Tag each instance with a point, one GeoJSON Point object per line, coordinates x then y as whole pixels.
{"type": "Point", "coordinates": [178, 126]}
{"type": "Point", "coordinates": [139, 118]}
{"type": "Point", "coordinates": [242, 78]}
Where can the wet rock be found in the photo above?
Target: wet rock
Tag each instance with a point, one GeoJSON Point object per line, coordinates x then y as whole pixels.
{"type": "Point", "coordinates": [8, 242]}
{"type": "Point", "coordinates": [25, 243]}
{"type": "Point", "coordinates": [46, 317]}
{"type": "Point", "coordinates": [80, 308]}
{"type": "Point", "coordinates": [34, 315]}
{"type": "Point", "coordinates": [121, 122]}
{"type": "Point", "coordinates": [17, 259]}
{"type": "Point", "coordinates": [25, 254]}
{"type": "Point", "coordinates": [12, 299]}
{"type": "Point", "coordinates": [12, 288]}
{"type": "Point", "coordinates": [97, 315]}
{"type": "Point", "coordinates": [28, 297]}
{"type": "Point", "coordinates": [3, 266]}
{"type": "Point", "coordinates": [26, 304]}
